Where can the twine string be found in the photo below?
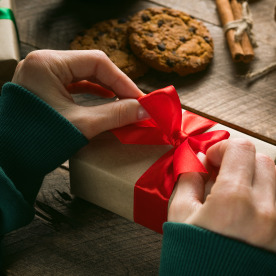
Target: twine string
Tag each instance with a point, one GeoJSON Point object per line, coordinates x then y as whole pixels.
{"type": "Point", "coordinates": [245, 24]}
{"type": "Point", "coordinates": [261, 72]}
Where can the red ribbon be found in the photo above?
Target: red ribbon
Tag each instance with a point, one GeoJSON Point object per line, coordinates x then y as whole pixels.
{"type": "Point", "coordinates": [185, 132]}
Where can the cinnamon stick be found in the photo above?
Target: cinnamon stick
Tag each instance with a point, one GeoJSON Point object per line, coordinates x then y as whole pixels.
{"type": "Point", "coordinates": [226, 16]}
{"type": "Point", "coordinates": [245, 41]}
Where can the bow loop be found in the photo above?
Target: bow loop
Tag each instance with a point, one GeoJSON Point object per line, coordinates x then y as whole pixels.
{"type": "Point", "coordinates": [164, 107]}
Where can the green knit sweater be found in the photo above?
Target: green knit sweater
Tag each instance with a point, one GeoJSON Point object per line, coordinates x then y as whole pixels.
{"type": "Point", "coordinates": [35, 139]}
{"type": "Point", "coordinates": [190, 250]}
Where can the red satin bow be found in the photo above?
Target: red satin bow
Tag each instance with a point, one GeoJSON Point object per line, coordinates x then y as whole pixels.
{"type": "Point", "coordinates": [185, 132]}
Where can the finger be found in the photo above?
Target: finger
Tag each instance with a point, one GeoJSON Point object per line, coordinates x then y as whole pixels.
{"type": "Point", "coordinates": [236, 159]}
{"type": "Point", "coordinates": [97, 119]}
{"type": "Point", "coordinates": [189, 194]}
{"type": "Point", "coordinates": [94, 64]}
{"type": "Point", "coordinates": [87, 87]}
{"type": "Point", "coordinates": [195, 183]}
{"type": "Point", "coordinates": [264, 183]}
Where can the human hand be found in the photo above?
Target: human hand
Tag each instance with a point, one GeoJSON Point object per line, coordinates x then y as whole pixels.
{"type": "Point", "coordinates": [55, 75]}
{"type": "Point", "coordinates": [241, 203]}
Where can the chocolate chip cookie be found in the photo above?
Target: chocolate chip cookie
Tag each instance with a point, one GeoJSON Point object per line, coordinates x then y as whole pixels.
{"type": "Point", "coordinates": [111, 37]}
{"type": "Point", "coordinates": [170, 40]}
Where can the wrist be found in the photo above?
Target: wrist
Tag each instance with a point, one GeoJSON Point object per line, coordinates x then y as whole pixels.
{"type": "Point", "coordinates": [80, 118]}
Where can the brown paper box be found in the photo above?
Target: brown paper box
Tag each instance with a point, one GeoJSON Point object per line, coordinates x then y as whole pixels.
{"type": "Point", "coordinates": [9, 45]}
{"type": "Point", "coordinates": [105, 171]}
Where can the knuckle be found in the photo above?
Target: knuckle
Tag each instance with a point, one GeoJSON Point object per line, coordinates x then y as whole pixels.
{"type": "Point", "coordinates": [18, 67]}
{"type": "Point", "coordinates": [35, 56]}
{"type": "Point", "coordinates": [32, 64]}
{"type": "Point", "coordinates": [266, 160]}
{"type": "Point", "coordinates": [226, 210]}
{"type": "Point", "coordinates": [46, 61]}
{"type": "Point", "coordinates": [34, 60]}
{"type": "Point", "coordinates": [270, 217]}
{"type": "Point", "coordinates": [266, 219]}
{"type": "Point", "coordinates": [99, 54]}
{"type": "Point", "coordinates": [223, 180]}
{"type": "Point", "coordinates": [242, 144]}
{"type": "Point", "coordinates": [267, 214]}
{"type": "Point", "coordinates": [240, 196]}
{"type": "Point", "coordinates": [236, 195]}
{"type": "Point", "coordinates": [120, 111]}
{"type": "Point", "coordinates": [20, 64]}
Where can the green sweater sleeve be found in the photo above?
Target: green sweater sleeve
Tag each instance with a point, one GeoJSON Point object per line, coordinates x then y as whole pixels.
{"type": "Point", "coordinates": [190, 250]}
{"type": "Point", "coordinates": [34, 140]}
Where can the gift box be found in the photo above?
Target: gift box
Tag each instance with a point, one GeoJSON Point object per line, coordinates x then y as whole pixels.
{"type": "Point", "coordinates": [131, 171]}
{"type": "Point", "coordinates": [9, 41]}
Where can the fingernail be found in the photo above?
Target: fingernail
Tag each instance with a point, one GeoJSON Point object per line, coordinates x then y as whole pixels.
{"type": "Point", "coordinates": [202, 157]}
{"type": "Point", "coordinates": [143, 114]}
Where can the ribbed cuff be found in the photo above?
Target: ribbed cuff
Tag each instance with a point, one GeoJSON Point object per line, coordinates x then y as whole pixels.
{"type": "Point", "coordinates": [15, 211]}
{"type": "Point", "coordinates": [34, 139]}
{"type": "Point", "coordinates": [190, 250]}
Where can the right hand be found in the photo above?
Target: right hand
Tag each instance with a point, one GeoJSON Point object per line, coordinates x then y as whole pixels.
{"type": "Point", "coordinates": [242, 201]}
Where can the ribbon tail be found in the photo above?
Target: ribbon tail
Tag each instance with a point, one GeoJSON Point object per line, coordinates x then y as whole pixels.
{"type": "Point", "coordinates": [152, 193]}
{"type": "Point", "coordinates": [194, 124]}
{"type": "Point", "coordinates": [205, 140]}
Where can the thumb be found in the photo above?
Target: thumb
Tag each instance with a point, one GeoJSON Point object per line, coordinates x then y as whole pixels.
{"type": "Point", "coordinates": [189, 193]}
{"type": "Point", "coordinates": [112, 115]}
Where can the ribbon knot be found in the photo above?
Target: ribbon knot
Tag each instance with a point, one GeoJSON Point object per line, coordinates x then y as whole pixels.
{"type": "Point", "coordinates": [178, 138]}
{"type": "Point", "coordinates": [168, 126]}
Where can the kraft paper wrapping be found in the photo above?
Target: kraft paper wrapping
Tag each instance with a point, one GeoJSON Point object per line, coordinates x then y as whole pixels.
{"type": "Point", "coordinates": [9, 45]}
{"type": "Point", "coordinates": [105, 171]}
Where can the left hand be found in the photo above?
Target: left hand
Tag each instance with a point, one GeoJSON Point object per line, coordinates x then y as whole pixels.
{"type": "Point", "coordinates": [55, 75]}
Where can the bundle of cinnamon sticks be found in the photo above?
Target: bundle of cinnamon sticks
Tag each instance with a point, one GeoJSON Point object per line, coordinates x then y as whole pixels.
{"type": "Point", "coordinates": [229, 11]}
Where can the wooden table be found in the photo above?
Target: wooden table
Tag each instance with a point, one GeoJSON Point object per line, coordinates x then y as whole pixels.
{"type": "Point", "coordinates": [72, 237]}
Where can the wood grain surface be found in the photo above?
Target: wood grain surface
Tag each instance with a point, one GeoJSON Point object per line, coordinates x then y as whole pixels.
{"type": "Point", "coordinates": [221, 92]}
{"type": "Point", "coordinates": [72, 237]}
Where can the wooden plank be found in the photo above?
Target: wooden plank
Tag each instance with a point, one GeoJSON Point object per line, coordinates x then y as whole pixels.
{"type": "Point", "coordinates": [203, 10]}
{"type": "Point", "coordinates": [262, 13]}
{"type": "Point", "coordinates": [219, 93]}
{"type": "Point", "coordinates": [72, 237]}
{"type": "Point", "coordinates": [52, 24]}
{"type": "Point", "coordinates": [223, 94]}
